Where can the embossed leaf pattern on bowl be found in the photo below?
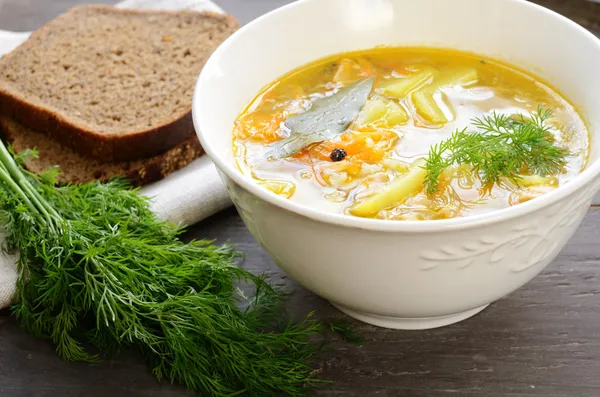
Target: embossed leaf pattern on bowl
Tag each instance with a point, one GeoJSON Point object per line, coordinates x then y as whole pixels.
{"type": "Point", "coordinates": [532, 242]}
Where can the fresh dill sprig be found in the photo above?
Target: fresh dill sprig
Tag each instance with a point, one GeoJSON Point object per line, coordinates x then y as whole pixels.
{"type": "Point", "coordinates": [98, 268]}
{"type": "Point", "coordinates": [502, 146]}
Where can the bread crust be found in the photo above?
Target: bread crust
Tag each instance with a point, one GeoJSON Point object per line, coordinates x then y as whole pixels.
{"type": "Point", "coordinates": [162, 165]}
{"type": "Point", "coordinates": [108, 147]}
{"type": "Point", "coordinates": [137, 172]}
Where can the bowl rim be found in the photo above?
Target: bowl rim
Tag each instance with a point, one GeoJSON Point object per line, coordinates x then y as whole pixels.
{"type": "Point", "coordinates": [585, 178]}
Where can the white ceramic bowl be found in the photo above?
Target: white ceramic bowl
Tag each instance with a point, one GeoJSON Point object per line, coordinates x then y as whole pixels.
{"type": "Point", "coordinates": [406, 275]}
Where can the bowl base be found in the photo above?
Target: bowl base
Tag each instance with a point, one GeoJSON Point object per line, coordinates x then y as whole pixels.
{"type": "Point", "coordinates": [409, 323]}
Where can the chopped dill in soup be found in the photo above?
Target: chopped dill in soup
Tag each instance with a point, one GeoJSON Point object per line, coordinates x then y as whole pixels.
{"type": "Point", "coordinates": [410, 134]}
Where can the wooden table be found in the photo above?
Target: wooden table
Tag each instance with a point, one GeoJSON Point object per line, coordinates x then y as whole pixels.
{"type": "Point", "coordinates": [543, 340]}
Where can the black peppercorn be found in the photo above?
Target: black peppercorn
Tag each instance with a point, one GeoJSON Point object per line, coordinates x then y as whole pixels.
{"type": "Point", "coordinates": [337, 154]}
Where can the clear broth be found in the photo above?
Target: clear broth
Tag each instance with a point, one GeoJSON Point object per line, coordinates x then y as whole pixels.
{"type": "Point", "coordinates": [379, 155]}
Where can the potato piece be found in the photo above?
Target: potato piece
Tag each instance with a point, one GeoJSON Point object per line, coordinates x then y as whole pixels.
{"type": "Point", "coordinates": [536, 180]}
{"type": "Point", "coordinates": [395, 165]}
{"type": "Point", "coordinates": [279, 187]}
{"type": "Point", "coordinates": [396, 114]}
{"type": "Point", "coordinates": [366, 67]}
{"type": "Point", "coordinates": [427, 107]}
{"type": "Point", "coordinates": [454, 77]}
{"type": "Point", "coordinates": [347, 72]}
{"type": "Point", "coordinates": [423, 99]}
{"type": "Point", "coordinates": [530, 193]}
{"type": "Point", "coordinates": [374, 109]}
{"type": "Point", "coordinates": [382, 109]}
{"type": "Point", "coordinates": [291, 92]}
{"type": "Point", "coordinates": [400, 88]}
{"type": "Point", "coordinates": [394, 192]}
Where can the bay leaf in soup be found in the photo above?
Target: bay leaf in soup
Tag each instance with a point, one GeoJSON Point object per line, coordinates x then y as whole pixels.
{"type": "Point", "coordinates": [327, 118]}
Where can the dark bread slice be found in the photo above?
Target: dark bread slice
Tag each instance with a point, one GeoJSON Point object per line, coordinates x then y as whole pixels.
{"type": "Point", "coordinates": [112, 83]}
{"type": "Point", "coordinates": [76, 168]}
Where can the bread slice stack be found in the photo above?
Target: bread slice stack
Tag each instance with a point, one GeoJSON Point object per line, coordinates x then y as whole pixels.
{"type": "Point", "coordinates": [103, 92]}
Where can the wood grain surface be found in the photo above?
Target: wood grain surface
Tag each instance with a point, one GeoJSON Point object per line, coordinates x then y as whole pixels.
{"type": "Point", "coordinates": [541, 341]}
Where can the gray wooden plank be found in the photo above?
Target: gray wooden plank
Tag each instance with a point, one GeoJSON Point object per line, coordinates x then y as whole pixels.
{"type": "Point", "coordinates": [28, 15]}
{"type": "Point", "coordinates": [540, 341]}
{"type": "Point", "coordinates": [247, 10]}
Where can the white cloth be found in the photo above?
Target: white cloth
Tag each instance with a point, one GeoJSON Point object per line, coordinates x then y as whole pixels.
{"type": "Point", "coordinates": [8, 277]}
{"type": "Point", "coordinates": [185, 197]}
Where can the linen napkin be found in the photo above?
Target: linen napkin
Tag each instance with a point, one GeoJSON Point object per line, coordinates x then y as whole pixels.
{"type": "Point", "coordinates": [185, 197]}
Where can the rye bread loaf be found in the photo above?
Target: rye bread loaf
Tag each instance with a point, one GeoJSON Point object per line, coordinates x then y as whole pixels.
{"type": "Point", "coordinates": [111, 83]}
{"type": "Point", "coordinates": [76, 168]}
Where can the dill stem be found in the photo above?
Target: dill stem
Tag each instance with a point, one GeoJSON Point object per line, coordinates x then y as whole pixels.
{"type": "Point", "coordinates": [13, 172]}
{"type": "Point", "coordinates": [5, 177]}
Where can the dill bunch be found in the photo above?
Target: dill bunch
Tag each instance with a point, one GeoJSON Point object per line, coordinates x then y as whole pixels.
{"type": "Point", "coordinates": [98, 271]}
{"type": "Point", "coordinates": [502, 147]}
